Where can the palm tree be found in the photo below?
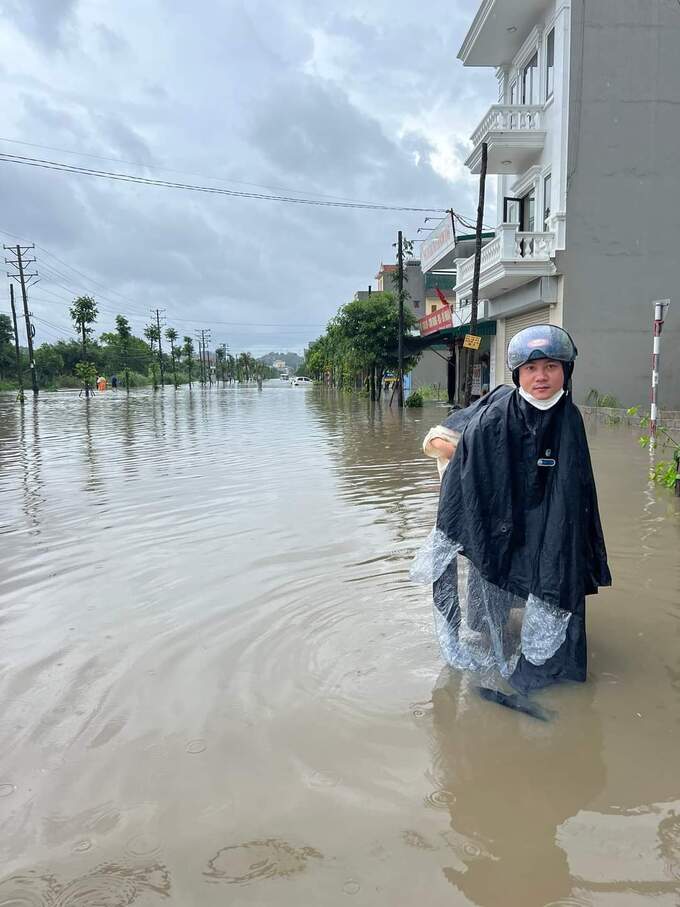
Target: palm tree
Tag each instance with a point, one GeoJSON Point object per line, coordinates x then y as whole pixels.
{"type": "Point", "coordinates": [124, 333]}
{"type": "Point", "coordinates": [231, 367]}
{"type": "Point", "coordinates": [188, 353]}
{"type": "Point", "coordinates": [220, 356]}
{"type": "Point", "coordinates": [84, 313]}
{"type": "Point", "coordinates": [171, 334]}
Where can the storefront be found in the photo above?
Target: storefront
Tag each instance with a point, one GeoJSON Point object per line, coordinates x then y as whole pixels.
{"type": "Point", "coordinates": [441, 338]}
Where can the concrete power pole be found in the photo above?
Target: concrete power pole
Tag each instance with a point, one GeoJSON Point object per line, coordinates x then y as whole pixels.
{"type": "Point", "coordinates": [25, 277]}
{"type": "Point", "coordinates": [20, 379]}
{"type": "Point", "coordinates": [475, 276]}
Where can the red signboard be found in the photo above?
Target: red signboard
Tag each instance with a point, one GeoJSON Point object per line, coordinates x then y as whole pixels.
{"type": "Point", "coordinates": [438, 320]}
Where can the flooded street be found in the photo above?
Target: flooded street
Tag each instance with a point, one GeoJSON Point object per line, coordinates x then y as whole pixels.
{"type": "Point", "coordinates": [218, 685]}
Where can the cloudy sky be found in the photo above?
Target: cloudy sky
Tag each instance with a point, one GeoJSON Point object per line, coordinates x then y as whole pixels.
{"type": "Point", "coordinates": [360, 100]}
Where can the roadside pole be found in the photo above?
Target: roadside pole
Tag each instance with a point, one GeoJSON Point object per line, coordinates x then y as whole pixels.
{"type": "Point", "coordinates": [469, 362]}
{"type": "Point", "coordinates": [660, 307]}
{"type": "Point", "coordinates": [400, 285]}
{"type": "Point", "coordinates": [20, 379]}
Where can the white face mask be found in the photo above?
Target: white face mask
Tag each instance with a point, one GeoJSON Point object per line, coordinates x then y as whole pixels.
{"type": "Point", "coordinates": [542, 404]}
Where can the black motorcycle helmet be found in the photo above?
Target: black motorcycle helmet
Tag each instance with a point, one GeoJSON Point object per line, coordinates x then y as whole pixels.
{"type": "Point", "coordinates": [542, 341]}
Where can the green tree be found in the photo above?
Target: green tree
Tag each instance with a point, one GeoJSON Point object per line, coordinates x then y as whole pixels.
{"type": "Point", "coordinates": [7, 356]}
{"type": "Point", "coordinates": [220, 362]}
{"type": "Point", "coordinates": [188, 353]}
{"type": "Point", "coordinates": [86, 372]}
{"type": "Point", "coordinates": [153, 335]}
{"type": "Point", "coordinates": [172, 335]}
{"type": "Point", "coordinates": [360, 344]}
{"type": "Point", "coordinates": [124, 335]}
{"type": "Point", "coordinates": [49, 364]}
{"type": "Point", "coordinates": [83, 314]}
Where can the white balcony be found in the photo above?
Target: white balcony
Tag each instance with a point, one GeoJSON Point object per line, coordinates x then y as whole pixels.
{"type": "Point", "coordinates": [515, 136]}
{"type": "Point", "coordinates": [508, 261]}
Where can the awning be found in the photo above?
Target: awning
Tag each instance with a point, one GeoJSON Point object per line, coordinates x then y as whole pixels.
{"type": "Point", "coordinates": [444, 338]}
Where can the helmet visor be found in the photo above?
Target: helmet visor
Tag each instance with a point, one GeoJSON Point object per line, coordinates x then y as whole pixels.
{"type": "Point", "coordinates": [540, 341]}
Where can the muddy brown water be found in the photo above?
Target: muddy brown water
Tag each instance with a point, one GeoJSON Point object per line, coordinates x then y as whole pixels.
{"type": "Point", "coordinates": [218, 686]}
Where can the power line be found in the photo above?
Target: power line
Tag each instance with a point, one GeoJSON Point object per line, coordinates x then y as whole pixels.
{"type": "Point", "coordinates": [148, 166]}
{"type": "Point", "coordinates": [210, 190]}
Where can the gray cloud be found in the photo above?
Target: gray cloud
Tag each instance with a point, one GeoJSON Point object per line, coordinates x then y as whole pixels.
{"type": "Point", "coordinates": [47, 23]}
{"type": "Point", "coordinates": [367, 104]}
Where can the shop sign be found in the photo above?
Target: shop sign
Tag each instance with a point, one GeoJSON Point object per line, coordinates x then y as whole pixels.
{"type": "Point", "coordinates": [472, 342]}
{"type": "Point", "coordinates": [439, 320]}
{"type": "Point", "coordinates": [435, 247]}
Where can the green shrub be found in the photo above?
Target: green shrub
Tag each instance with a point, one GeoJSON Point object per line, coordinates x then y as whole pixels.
{"type": "Point", "coordinates": [608, 401]}
{"type": "Point", "coordinates": [414, 399]}
{"type": "Point", "coordinates": [432, 392]}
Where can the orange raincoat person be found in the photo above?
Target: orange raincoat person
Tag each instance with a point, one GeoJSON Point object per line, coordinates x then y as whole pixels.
{"type": "Point", "coordinates": [101, 383]}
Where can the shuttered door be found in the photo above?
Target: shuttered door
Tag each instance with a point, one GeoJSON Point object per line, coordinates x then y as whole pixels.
{"type": "Point", "coordinates": [518, 323]}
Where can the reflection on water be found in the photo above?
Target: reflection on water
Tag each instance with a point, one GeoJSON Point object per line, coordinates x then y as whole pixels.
{"type": "Point", "coordinates": [217, 681]}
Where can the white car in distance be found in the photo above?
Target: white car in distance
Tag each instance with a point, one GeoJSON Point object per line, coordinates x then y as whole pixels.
{"type": "Point", "coordinates": [298, 380]}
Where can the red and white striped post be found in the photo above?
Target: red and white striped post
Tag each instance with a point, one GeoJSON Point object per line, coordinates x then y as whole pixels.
{"type": "Point", "coordinates": [660, 306]}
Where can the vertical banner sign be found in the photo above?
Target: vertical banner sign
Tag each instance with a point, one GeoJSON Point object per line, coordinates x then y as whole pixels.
{"type": "Point", "coordinates": [477, 380]}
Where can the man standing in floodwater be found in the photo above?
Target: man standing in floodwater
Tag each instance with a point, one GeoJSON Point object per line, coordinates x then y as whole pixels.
{"type": "Point", "coordinates": [518, 542]}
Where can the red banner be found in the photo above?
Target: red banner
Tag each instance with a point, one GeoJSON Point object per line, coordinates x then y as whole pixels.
{"type": "Point", "coordinates": [436, 321]}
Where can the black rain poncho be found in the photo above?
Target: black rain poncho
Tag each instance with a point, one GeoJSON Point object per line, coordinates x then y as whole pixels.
{"type": "Point", "coordinates": [518, 542]}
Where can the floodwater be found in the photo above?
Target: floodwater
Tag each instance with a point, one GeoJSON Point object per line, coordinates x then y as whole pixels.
{"type": "Point", "coordinates": [218, 686]}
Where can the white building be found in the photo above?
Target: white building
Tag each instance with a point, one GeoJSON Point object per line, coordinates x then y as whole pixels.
{"type": "Point", "coordinates": [583, 143]}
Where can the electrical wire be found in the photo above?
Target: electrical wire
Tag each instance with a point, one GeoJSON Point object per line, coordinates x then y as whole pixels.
{"type": "Point", "coordinates": [147, 166]}
{"type": "Point", "coordinates": [210, 190]}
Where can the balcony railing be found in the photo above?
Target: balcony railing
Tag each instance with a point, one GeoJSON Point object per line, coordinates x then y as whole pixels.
{"type": "Point", "coordinates": [511, 246]}
{"type": "Point", "coordinates": [508, 118]}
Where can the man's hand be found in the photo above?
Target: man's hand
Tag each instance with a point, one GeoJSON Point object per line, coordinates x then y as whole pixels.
{"type": "Point", "coordinates": [444, 448]}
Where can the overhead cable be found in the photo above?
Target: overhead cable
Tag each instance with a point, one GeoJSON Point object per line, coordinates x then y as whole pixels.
{"type": "Point", "coordinates": [210, 190]}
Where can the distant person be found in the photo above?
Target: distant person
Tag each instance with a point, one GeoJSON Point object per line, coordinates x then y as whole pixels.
{"type": "Point", "coordinates": [101, 383]}
{"type": "Point", "coordinates": [114, 382]}
{"type": "Point", "coordinates": [518, 542]}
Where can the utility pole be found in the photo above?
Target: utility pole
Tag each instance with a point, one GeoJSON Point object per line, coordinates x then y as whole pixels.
{"type": "Point", "coordinates": [20, 378]}
{"type": "Point", "coordinates": [160, 347]}
{"type": "Point", "coordinates": [400, 353]}
{"type": "Point", "coordinates": [24, 279]}
{"type": "Point", "coordinates": [203, 354]}
{"type": "Point", "coordinates": [475, 276]}
{"type": "Point", "coordinates": [199, 341]}
{"type": "Point", "coordinates": [207, 357]}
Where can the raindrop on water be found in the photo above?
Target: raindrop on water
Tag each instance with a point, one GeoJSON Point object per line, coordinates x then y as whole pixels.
{"type": "Point", "coordinates": [142, 845]}
{"type": "Point", "coordinates": [196, 746]}
{"type": "Point", "coordinates": [82, 846]}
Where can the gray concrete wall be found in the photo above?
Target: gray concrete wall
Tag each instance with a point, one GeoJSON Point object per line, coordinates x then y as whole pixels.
{"type": "Point", "coordinates": [431, 369]}
{"type": "Point", "coordinates": [623, 195]}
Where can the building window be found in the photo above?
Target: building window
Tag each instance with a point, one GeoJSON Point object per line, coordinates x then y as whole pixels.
{"type": "Point", "coordinates": [550, 65]}
{"type": "Point", "coordinates": [416, 304]}
{"type": "Point", "coordinates": [547, 200]}
{"type": "Point", "coordinates": [528, 212]}
{"type": "Point", "coordinates": [434, 307]}
{"type": "Point", "coordinates": [530, 81]}
{"type": "Point", "coordinates": [512, 208]}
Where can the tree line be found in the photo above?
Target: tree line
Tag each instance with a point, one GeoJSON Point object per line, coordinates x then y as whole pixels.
{"type": "Point", "coordinates": [359, 347]}
{"type": "Point", "coordinates": [136, 361]}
